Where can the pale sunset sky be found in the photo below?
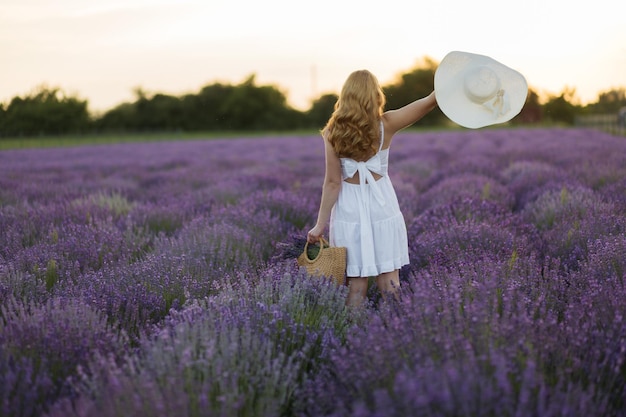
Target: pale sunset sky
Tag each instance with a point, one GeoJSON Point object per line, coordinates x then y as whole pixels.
{"type": "Point", "coordinates": [100, 50]}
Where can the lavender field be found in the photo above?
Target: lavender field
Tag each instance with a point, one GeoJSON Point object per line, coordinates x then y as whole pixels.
{"type": "Point", "coordinates": [155, 279]}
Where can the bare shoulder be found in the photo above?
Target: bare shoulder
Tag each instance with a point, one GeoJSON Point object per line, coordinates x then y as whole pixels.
{"type": "Point", "coordinates": [325, 133]}
{"type": "Point", "coordinates": [388, 131]}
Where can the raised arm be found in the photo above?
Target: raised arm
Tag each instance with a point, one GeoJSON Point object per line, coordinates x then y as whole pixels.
{"type": "Point", "coordinates": [398, 119]}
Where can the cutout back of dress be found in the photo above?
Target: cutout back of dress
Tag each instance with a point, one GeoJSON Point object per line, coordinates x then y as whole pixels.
{"type": "Point", "coordinates": [377, 165]}
{"type": "Point", "coordinates": [372, 169]}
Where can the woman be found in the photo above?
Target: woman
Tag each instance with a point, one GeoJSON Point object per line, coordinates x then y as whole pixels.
{"type": "Point", "coordinates": [358, 198]}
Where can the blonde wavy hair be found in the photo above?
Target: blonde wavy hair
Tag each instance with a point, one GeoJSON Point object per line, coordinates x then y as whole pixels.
{"type": "Point", "coordinates": [353, 129]}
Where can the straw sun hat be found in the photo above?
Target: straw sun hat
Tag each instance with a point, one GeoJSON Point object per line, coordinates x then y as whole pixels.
{"type": "Point", "coordinates": [476, 90]}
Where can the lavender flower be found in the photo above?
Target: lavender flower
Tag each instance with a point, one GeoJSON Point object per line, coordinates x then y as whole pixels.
{"type": "Point", "coordinates": [43, 345]}
{"type": "Point", "coordinates": [512, 304]}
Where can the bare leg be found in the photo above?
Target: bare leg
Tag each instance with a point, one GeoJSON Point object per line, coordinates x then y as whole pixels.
{"type": "Point", "coordinates": [357, 291]}
{"type": "Point", "coordinates": [389, 283]}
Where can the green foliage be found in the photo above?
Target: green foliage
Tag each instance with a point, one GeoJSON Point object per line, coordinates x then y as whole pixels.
{"type": "Point", "coordinates": [203, 111]}
{"type": "Point", "coordinates": [419, 82]}
{"type": "Point", "coordinates": [247, 106]}
{"type": "Point", "coordinates": [251, 107]}
{"type": "Point", "coordinates": [321, 110]}
{"type": "Point", "coordinates": [560, 109]}
{"type": "Point", "coordinates": [45, 111]}
{"type": "Point", "coordinates": [610, 101]}
{"type": "Point", "coordinates": [532, 112]}
{"type": "Point", "coordinates": [114, 202]}
{"type": "Point", "coordinates": [52, 274]}
{"type": "Point", "coordinates": [219, 106]}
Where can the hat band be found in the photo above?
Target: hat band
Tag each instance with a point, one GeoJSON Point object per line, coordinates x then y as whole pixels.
{"type": "Point", "coordinates": [499, 105]}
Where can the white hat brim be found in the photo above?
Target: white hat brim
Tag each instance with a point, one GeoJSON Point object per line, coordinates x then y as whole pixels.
{"type": "Point", "coordinates": [453, 102]}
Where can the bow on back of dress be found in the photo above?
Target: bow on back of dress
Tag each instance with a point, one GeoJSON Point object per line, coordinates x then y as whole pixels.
{"type": "Point", "coordinates": [365, 170]}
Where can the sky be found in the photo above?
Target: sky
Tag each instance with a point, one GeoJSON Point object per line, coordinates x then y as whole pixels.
{"type": "Point", "coordinates": [103, 50]}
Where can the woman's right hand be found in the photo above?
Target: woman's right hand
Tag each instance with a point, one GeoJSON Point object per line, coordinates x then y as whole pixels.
{"type": "Point", "coordinates": [313, 236]}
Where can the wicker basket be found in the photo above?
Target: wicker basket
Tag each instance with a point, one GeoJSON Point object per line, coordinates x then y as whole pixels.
{"type": "Point", "coordinates": [330, 262]}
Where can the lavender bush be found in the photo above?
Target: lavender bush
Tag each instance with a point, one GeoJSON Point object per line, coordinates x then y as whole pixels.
{"type": "Point", "coordinates": [42, 345]}
{"type": "Point", "coordinates": [242, 352]}
{"type": "Point", "coordinates": [158, 279]}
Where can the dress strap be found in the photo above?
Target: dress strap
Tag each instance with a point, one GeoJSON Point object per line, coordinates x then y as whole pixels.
{"type": "Point", "coordinates": [382, 135]}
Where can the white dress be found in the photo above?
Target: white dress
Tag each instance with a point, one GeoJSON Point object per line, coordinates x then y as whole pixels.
{"type": "Point", "coordinates": [367, 220]}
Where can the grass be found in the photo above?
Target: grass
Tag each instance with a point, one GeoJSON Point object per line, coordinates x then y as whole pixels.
{"type": "Point", "coordinates": [110, 138]}
{"type": "Point", "coordinates": [56, 141]}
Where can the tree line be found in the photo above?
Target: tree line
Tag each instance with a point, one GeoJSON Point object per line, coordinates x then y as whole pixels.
{"type": "Point", "coordinates": [248, 107]}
